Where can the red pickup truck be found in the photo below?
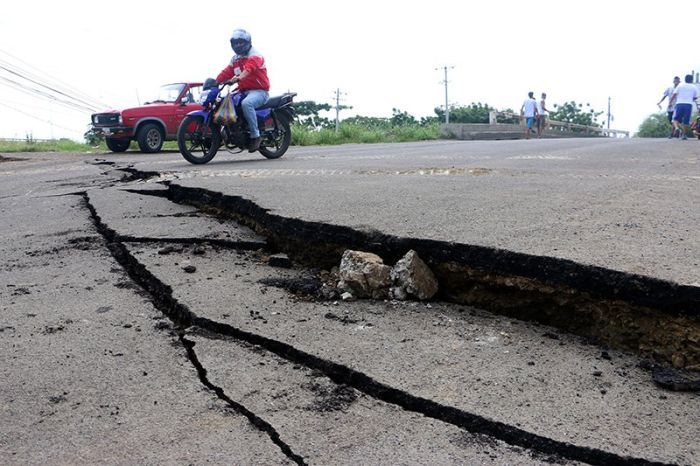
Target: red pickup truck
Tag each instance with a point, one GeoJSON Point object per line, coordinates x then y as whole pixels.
{"type": "Point", "coordinates": [152, 123]}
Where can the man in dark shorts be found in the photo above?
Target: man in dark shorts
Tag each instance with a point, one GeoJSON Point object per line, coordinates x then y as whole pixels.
{"type": "Point", "coordinates": [683, 98]}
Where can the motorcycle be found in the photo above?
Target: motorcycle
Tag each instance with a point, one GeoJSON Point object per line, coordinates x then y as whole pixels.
{"type": "Point", "coordinates": [199, 136]}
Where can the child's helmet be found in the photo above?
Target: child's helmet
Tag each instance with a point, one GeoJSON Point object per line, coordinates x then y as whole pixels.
{"type": "Point", "coordinates": [209, 83]}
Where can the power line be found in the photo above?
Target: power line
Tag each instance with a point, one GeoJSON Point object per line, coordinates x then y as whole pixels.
{"type": "Point", "coordinates": [44, 76]}
{"type": "Point", "coordinates": [29, 90]}
{"type": "Point", "coordinates": [37, 118]}
{"type": "Point", "coordinates": [29, 76]}
{"type": "Point", "coordinates": [91, 106]}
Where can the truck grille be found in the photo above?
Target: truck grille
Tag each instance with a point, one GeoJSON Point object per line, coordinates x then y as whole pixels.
{"type": "Point", "coordinates": [106, 119]}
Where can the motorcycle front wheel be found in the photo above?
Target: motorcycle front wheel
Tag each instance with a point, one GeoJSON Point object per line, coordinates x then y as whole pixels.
{"type": "Point", "coordinates": [276, 142]}
{"type": "Point", "coordinates": [198, 142]}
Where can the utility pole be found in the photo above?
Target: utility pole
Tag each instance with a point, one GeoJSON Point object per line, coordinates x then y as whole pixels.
{"type": "Point", "coordinates": [447, 102]}
{"type": "Point", "coordinates": [338, 108]}
{"type": "Point", "coordinates": [609, 115]}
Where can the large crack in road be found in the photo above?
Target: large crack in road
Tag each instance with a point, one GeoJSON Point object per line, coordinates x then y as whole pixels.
{"type": "Point", "coordinates": [341, 374]}
{"type": "Point", "coordinates": [622, 310]}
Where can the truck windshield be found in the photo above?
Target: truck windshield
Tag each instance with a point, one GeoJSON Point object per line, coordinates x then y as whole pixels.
{"type": "Point", "coordinates": [168, 93]}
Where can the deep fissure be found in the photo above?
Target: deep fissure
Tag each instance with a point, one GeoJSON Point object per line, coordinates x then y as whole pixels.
{"type": "Point", "coordinates": [650, 316]}
{"type": "Point", "coordinates": [343, 375]}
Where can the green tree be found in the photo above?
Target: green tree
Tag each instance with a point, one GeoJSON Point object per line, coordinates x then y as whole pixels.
{"type": "Point", "coordinates": [368, 122]}
{"type": "Point", "coordinates": [307, 114]}
{"type": "Point", "coordinates": [399, 118]}
{"type": "Point", "coordinates": [571, 112]}
{"type": "Point", "coordinates": [473, 113]}
{"type": "Point", "coordinates": [654, 126]}
{"type": "Point", "coordinates": [428, 121]}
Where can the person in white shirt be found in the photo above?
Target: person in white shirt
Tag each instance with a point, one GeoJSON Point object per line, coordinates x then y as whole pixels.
{"type": "Point", "coordinates": [683, 98]}
{"type": "Point", "coordinates": [529, 111]}
{"type": "Point", "coordinates": [669, 93]}
{"type": "Point", "coordinates": [542, 112]}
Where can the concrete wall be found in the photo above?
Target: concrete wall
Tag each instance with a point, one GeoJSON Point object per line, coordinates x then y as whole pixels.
{"type": "Point", "coordinates": [474, 131]}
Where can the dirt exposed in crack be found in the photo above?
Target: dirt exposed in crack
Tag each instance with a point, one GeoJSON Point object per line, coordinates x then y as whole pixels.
{"type": "Point", "coordinates": [331, 397]}
{"type": "Point", "coordinates": [134, 174]}
{"type": "Point", "coordinates": [82, 243]}
{"type": "Point", "coordinates": [342, 375]}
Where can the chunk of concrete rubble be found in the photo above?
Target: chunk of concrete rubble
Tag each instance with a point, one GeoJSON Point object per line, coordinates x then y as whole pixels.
{"type": "Point", "coordinates": [411, 276]}
{"type": "Point", "coordinates": [188, 267]}
{"type": "Point", "coordinates": [347, 296]}
{"type": "Point", "coordinates": [364, 275]}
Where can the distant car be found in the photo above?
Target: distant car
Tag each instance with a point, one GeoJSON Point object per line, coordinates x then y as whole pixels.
{"type": "Point", "coordinates": [152, 123]}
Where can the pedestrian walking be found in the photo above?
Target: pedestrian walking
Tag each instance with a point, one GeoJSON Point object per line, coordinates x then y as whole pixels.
{"type": "Point", "coordinates": [684, 96]}
{"type": "Point", "coordinates": [529, 112]}
{"type": "Point", "coordinates": [668, 93]}
{"type": "Point", "coordinates": [542, 113]}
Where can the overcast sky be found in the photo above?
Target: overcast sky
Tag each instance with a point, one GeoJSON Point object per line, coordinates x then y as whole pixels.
{"type": "Point", "coordinates": [381, 54]}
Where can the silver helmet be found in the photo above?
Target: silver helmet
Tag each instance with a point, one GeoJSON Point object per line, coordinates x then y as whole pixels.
{"type": "Point", "coordinates": [241, 42]}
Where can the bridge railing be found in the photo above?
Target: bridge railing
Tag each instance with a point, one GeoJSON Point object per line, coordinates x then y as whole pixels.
{"type": "Point", "coordinates": [562, 126]}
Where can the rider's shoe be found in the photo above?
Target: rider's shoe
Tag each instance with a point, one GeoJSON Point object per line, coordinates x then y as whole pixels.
{"type": "Point", "coordinates": [254, 144]}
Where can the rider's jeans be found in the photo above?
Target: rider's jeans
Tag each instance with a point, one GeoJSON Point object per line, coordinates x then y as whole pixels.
{"type": "Point", "coordinates": [254, 99]}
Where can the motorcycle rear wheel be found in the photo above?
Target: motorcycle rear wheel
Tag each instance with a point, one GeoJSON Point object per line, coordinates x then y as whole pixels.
{"type": "Point", "coordinates": [276, 142]}
{"type": "Point", "coordinates": [198, 143]}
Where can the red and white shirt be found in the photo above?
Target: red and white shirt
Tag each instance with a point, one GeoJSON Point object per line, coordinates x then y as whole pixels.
{"type": "Point", "coordinates": [254, 63]}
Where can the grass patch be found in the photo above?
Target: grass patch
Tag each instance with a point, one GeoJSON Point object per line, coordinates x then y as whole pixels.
{"type": "Point", "coordinates": [56, 145]}
{"type": "Point", "coordinates": [303, 136]}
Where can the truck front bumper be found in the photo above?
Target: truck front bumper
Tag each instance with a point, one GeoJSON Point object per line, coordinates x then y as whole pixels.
{"type": "Point", "coordinates": [115, 131]}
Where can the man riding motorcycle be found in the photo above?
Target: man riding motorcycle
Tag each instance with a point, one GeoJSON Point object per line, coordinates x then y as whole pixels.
{"type": "Point", "coordinates": [247, 68]}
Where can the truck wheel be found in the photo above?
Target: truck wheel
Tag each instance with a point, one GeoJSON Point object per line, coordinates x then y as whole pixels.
{"type": "Point", "coordinates": [117, 145]}
{"type": "Point", "coordinates": [150, 138]}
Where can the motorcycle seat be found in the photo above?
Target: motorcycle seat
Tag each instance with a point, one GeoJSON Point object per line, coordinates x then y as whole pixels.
{"type": "Point", "coordinates": [278, 101]}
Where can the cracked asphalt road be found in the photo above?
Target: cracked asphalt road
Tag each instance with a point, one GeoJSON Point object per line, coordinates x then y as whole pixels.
{"type": "Point", "coordinates": [98, 365]}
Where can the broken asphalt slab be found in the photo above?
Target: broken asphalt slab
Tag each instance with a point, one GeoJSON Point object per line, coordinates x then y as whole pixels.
{"type": "Point", "coordinates": [335, 424]}
{"type": "Point", "coordinates": [516, 373]}
{"type": "Point", "coordinates": [90, 372]}
{"type": "Point", "coordinates": [137, 216]}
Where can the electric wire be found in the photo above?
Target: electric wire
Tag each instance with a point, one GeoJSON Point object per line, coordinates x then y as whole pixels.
{"type": "Point", "coordinates": [33, 91]}
{"type": "Point", "coordinates": [40, 119]}
{"type": "Point", "coordinates": [10, 69]}
{"type": "Point", "coordinates": [45, 77]}
{"type": "Point", "coordinates": [88, 104]}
